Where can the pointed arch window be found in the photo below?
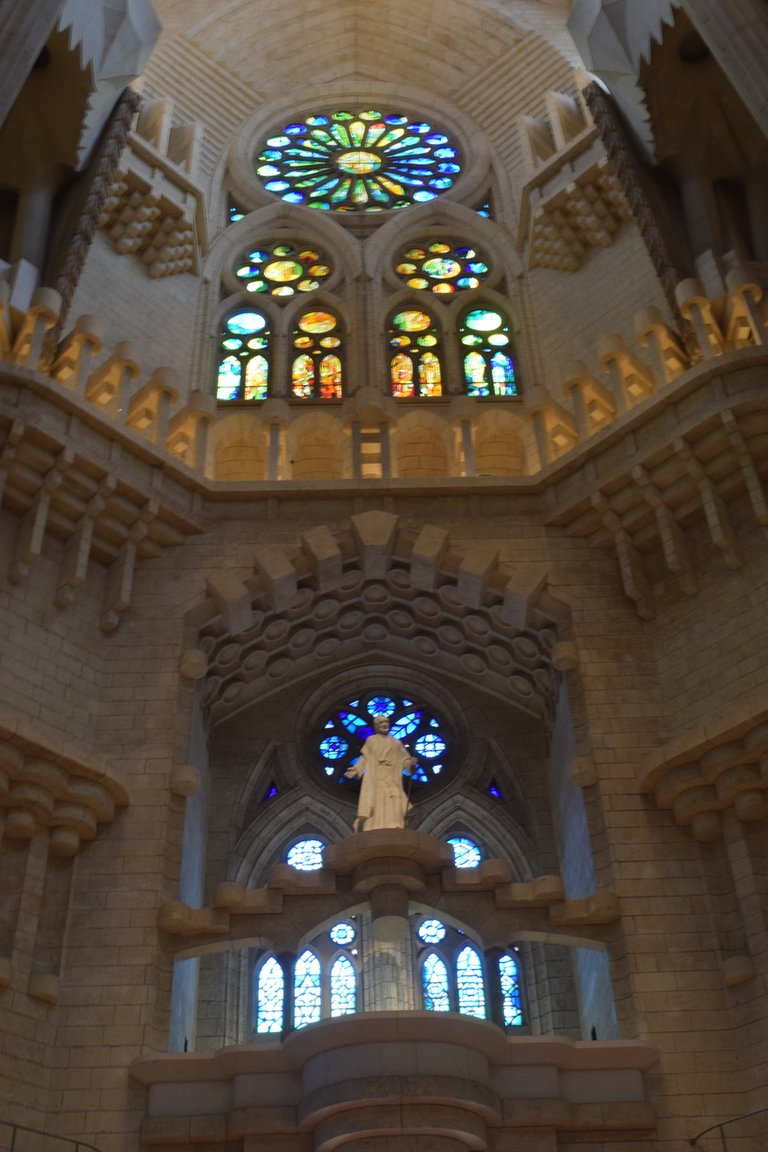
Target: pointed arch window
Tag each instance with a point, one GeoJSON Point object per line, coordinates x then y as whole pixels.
{"type": "Point", "coordinates": [487, 353]}
{"type": "Point", "coordinates": [466, 853]}
{"type": "Point", "coordinates": [343, 987]}
{"type": "Point", "coordinates": [316, 369]}
{"type": "Point", "coordinates": [470, 986]}
{"type": "Point", "coordinates": [435, 984]}
{"type": "Point", "coordinates": [415, 365]}
{"type": "Point", "coordinates": [511, 999]}
{"type": "Point", "coordinates": [307, 990]}
{"type": "Point", "coordinates": [244, 357]}
{"type": "Point", "coordinates": [270, 996]}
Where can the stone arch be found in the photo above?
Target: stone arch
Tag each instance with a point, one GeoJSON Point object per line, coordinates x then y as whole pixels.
{"type": "Point", "coordinates": [422, 446]}
{"type": "Point", "coordinates": [238, 449]}
{"type": "Point", "coordinates": [315, 447]}
{"type": "Point", "coordinates": [499, 445]}
{"type": "Point", "coordinates": [381, 585]}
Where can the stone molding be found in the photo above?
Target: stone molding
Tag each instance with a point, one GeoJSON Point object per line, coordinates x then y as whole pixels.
{"type": "Point", "coordinates": [356, 1079]}
{"type": "Point", "coordinates": [406, 590]}
{"type": "Point", "coordinates": [399, 864]}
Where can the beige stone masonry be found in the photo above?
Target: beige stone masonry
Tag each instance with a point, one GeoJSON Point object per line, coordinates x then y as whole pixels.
{"type": "Point", "coordinates": [399, 864]}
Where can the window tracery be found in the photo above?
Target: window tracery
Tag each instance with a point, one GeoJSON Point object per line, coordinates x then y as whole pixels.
{"type": "Point", "coordinates": [362, 161]}
{"type": "Point", "coordinates": [347, 728]}
{"type": "Point", "coordinates": [486, 344]}
{"type": "Point", "coordinates": [441, 267]}
{"type": "Point", "coordinates": [306, 855]}
{"type": "Point", "coordinates": [244, 357]}
{"type": "Point", "coordinates": [416, 368]}
{"type": "Point", "coordinates": [282, 269]}
{"type": "Point", "coordinates": [316, 370]}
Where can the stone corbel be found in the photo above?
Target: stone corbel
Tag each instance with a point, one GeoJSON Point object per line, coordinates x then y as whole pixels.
{"type": "Point", "coordinates": [671, 535]}
{"type": "Point", "coordinates": [593, 404]}
{"type": "Point", "coordinates": [631, 380]}
{"type": "Point", "coordinates": [107, 385]}
{"type": "Point", "coordinates": [715, 510]}
{"type": "Point", "coordinates": [31, 534]}
{"type": "Point", "coordinates": [29, 339]}
{"type": "Point", "coordinates": [744, 324]}
{"type": "Point", "coordinates": [669, 356]}
{"type": "Point", "coordinates": [75, 358]}
{"type": "Point", "coordinates": [633, 576]}
{"type": "Point", "coordinates": [696, 307]}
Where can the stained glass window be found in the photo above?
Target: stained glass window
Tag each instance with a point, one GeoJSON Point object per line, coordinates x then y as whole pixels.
{"type": "Point", "coordinates": [431, 931]}
{"type": "Point", "coordinates": [243, 372]}
{"type": "Point", "coordinates": [344, 732]}
{"type": "Point", "coordinates": [512, 1011]}
{"type": "Point", "coordinates": [466, 853]}
{"type": "Point", "coordinates": [234, 213]}
{"type": "Point", "coordinates": [415, 364]}
{"type": "Point", "coordinates": [469, 983]}
{"type": "Point", "coordinates": [307, 995]}
{"type": "Point", "coordinates": [358, 161]}
{"type": "Point", "coordinates": [343, 987]}
{"type": "Point", "coordinates": [270, 996]}
{"type": "Point", "coordinates": [434, 982]}
{"type": "Point", "coordinates": [485, 209]}
{"type": "Point", "coordinates": [486, 347]}
{"type": "Point", "coordinates": [442, 267]}
{"type": "Point", "coordinates": [343, 933]}
{"type": "Point", "coordinates": [282, 270]}
{"type": "Point", "coordinates": [316, 371]}
{"type": "Point", "coordinates": [306, 855]}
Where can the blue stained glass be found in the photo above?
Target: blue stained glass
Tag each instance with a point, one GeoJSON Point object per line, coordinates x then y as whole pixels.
{"type": "Point", "coordinates": [330, 769]}
{"type": "Point", "coordinates": [494, 790]}
{"type": "Point", "coordinates": [434, 982]}
{"type": "Point", "coordinates": [417, 773]}
{"type": "Point", "coordinates": [343, 987]}
{"type": "Point", "coordinates": [306, 855]}
{"type": "Point", "coordinates": [270, 996]}
{"type": "Point", "coordinates": [431, 931]}
{"type": "Point", "coordinates": [381, 706]}
{"type": "Point", "coordinates": [271, 791]}
{"type": "Point", "coordinates": [333, 747]}
{"type": "Point", "coordinates": [405, 725]}
{"type": "Point", "coordinates": [352, 723]}
{"type": "Point", "coordinates": [312, 162]}
{"type": "Point", "coordinates": [436, 769]}
{"type": "Point", "coordinates": [510, 991]}
{"type": "Point", "coordinates": [469, 983]}
{"type": "Point", "coordinates": [343, 933]}
{"type": "Point", "coordinates": [466, 853]}
{"type": "Point", "coordinates": [306, 990]}
{"type": "Point", "coordinates": [430, 746]}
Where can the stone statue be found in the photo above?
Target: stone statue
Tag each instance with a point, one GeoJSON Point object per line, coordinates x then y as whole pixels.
{"type": "Point", "coordinates": [382, 803]}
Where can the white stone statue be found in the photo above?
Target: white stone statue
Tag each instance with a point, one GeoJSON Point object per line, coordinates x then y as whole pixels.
{"type": "Point", "coordinates": [382, 803]}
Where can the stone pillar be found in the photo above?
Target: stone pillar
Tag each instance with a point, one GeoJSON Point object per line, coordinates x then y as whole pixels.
{"type": "Point", "coordinates": [26, 27]}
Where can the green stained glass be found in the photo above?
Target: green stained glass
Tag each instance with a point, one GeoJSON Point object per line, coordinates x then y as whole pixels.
{"type": "Point", "coordinates": [364, 162]}
{"type": "Point", "coordinates": [412, 321]}
{"type": "Point", "coordinates": [483, 320]}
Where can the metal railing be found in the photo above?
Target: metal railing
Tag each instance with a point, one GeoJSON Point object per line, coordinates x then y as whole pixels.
{"type": "Point", "coordinates": [48, 1142]}
{"type": "Point", "coordinates": [720, 1128]}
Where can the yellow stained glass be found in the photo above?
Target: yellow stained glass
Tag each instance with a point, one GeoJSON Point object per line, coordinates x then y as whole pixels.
{"type": "Point", "coordinates": [317, 322]}
{"type": "Point", "coordinates": [402, 375]}
{"type": "Point", "coordinates": [430, 377]}
{"type": "Point", "coordinates": [412, 321]}
{"type": "Point", "coordinates": [256, 375]}
{"type": "Point", "coordinates": [418, 282]}
{"type": "Point", "coordinates": [330, 378]}
{"type": "Point", "coordinates": [415, 254]}
{"type": "Point", "coordinates": [282, 271]}
{"type": "Point", "coordinates": [303, 377]}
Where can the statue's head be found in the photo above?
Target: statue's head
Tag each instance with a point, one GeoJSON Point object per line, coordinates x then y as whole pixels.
{"type": "Point", "coordinates": [381, 725]}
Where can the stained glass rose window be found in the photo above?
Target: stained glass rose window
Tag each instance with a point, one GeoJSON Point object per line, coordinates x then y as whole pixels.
{"type": "Point", "coordinates": [441, 267]}
{"type": "Point", "coordinates": [361, 161]}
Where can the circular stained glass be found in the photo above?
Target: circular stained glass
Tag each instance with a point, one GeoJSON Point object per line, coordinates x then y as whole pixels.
{"type": "Point", "coordinates": [306, 855]}
{"type": "Point", "coordinates": [340, 740]}
{"type": "Point", "coordinates": [431, 931]}
{"type": "Point", "coordinates": [342, 934]}
{"type": "Point", "coordinates": [443, 268]}
{"type": "Point", "coordinates": [317, 322]}
{"type": "Point", "coordinates": [282, 270]}
{"type": "Point", "coordinates": [483, 320]}
{"type": "Point", "coordinates": [364, 161]}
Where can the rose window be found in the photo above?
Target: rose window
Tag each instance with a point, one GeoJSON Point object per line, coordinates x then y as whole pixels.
{"type": "Point", "coordinates": [442, 268]}
{"type": "Point", "coordinates": [366, 161]}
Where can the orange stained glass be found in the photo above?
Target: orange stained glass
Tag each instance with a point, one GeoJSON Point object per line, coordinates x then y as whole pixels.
{"type": "Point", "coordinates": [330, 378]}
{"type": "Point", "coordinates": [256, 378]}
{"type": "Point", "coordinates": [303, 377]}
{"type": "Point", "coordinates": [430, 376]}
{"type": "Point", "coordinates": [317, 322]}
{"type": "Point", "coordinates": [402, 375]}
